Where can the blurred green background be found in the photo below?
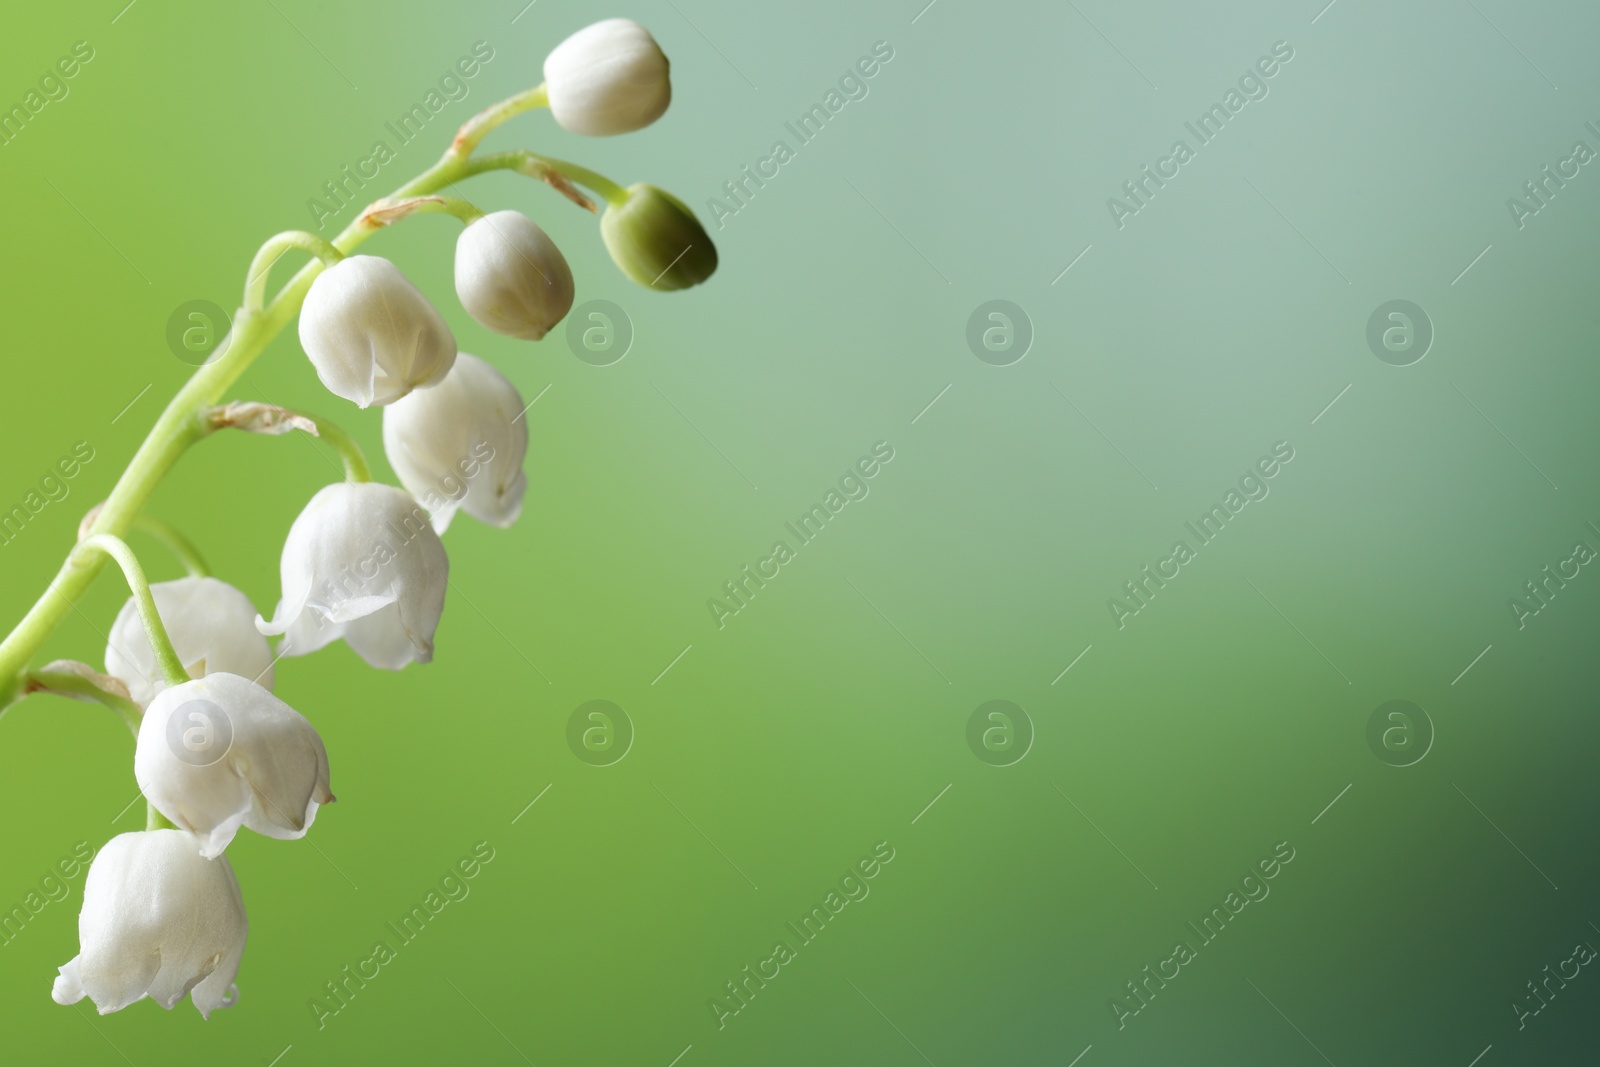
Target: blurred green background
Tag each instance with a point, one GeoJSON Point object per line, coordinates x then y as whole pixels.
{"type": "Point", "coordinates": [832, 713]}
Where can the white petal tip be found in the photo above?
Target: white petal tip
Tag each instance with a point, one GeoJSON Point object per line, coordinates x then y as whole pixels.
{"type": "Point", "coordinates": [215, 844]}
{"type": "Point", "coordinates": [66, 989]}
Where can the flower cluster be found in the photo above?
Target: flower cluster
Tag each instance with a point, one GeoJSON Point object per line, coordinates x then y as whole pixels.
{"type": "Point", "coordinates": [188, 663]}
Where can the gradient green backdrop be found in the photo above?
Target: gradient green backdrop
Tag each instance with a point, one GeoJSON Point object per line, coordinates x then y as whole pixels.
{"type": "Point", "coordinates": [827, 715]}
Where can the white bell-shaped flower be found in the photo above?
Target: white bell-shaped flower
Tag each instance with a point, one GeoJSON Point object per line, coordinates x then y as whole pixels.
{"type": "Point", "coordinates": [511, 277]}
{"type": "Point", "coordinates": [461, 444]}
{"type": "Point", "coordinates": [372, 336]}
{"type": "Point", "coordinates": [212, 626]}
{"type": "Point", "coordinates": [609, 77]}
{"type": "Point", "coordinates": [221, 752]}
{"type": "Point", "coordinates": [361, 562]}
{"type": "Point", "coordinates": [158, 920]}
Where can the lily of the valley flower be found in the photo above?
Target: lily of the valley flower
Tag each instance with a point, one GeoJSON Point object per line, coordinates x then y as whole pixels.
{"type": "Point", "coordinates": [511, 277]}
{"type": "Point", "coordinates": [221, 752]}
{"type": "Point", "coordinates": [657, 241]}
{"type": "Point", "coordinates": [372, 336]}
{"type": "Point", "coordinates": [609, 77]}
{"type": "Point", "coordinates": [212, 626]}
{"type": "Point", "coordinates": [361, 562]}
{"type": "Point", "coordinates": [158, 920]}
{"type": "Point", "coordinates": [461, 444]}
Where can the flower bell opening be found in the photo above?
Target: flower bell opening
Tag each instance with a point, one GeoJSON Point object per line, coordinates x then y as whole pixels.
{"type": "Point", "coordinates": [362, 563]}
{"type": "Point", "coordinates": [158, 921]}
{"type": "Point", "coordinates": [220, 753]}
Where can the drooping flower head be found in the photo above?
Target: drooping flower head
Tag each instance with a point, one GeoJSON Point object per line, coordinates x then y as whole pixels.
{"type": "Point", "coordinates": [221, 752]}
{"type": "Point", "coordinates": [158, 920]}
{"type": "Point", "coordinates": [372, 336]}
{"type": "Point", "coordinates": [461, 444]}
{"type": "Point", "coordinates": [212, 626]}
{"type": "Point", "coordinates": [363, 563]}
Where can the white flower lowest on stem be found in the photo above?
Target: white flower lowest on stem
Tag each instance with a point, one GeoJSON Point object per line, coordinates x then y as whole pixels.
{"type": "Point", "coordinates": [461, 444]}
{"type": "Point", "coordinates": [511, 277]}
{"type": "Point", "coordinates": [609, 77]}
{"type": "Point", "coordinates": [158, 920]}
{"type": "Point", "coordinates": [371, 334]}
{"type": "Point", "coordinates": [362, 562]}
{"type": "Point", "coordinates": [221, 752]}
{"type": "Point", "coordinates": [212, 626]}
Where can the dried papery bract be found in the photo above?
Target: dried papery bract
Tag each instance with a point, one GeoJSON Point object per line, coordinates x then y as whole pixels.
{"type": "Point", "coordinates": [256, 417]}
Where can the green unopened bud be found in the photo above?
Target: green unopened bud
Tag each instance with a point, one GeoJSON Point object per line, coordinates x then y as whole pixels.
{"type": "Point", "coordinates": [657, 241]}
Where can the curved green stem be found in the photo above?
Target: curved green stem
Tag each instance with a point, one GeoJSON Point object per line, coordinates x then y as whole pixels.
{"type": "Point", "coordinates": [184, 420]}
{"type": "Point", "coordinates": [255, 286]}
{"type": "Point", "coordinates": [255, 417]}
{"type": "Point", "coordinates": [154, 820]}
{"type": "Point", "coordinates": [478, 126]}
{"type": "Point", "coordinates": [350, 454]}
{"type": "Point", "coordinates": [179, 545]}
{"type": "Point", "coordinates": [536, 166]}
{"type": "Point", "coordinates": [166, 656]}
{"type": "Point", "coordinates": [389, 212]}
{"type": "Point", "coordinates": [68, 683]}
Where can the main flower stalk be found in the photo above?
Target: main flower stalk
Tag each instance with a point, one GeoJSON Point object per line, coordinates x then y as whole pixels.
{"type": "Point", "coordinates": [183, 422]}
{"type": "Point", "coordinates": [188, 666]}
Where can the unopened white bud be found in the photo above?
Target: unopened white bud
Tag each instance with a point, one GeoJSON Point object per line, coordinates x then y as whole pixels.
{"type": "Point", "coordinates": [511, 277]}
{"type": "Point", "coordinates": [609, 77]}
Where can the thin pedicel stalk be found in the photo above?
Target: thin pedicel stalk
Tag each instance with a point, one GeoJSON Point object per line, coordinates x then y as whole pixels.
{"type": "Point", "coordinates": [350, 454]}
{"type": "Point", "coordinates": [184, 420]}
{"type": "Point", "coordinates": [75, 684]}
{"type": "Point", "coordinates": [389, 212]}
{"type": "Point", "coordinates": [255, 286]}
{"type": "Point", "coordinates": [543, 167]}
{"type": "Point", "coordinates": [478, 126]}
{"type": "Point", "coordinates": [172, 669]}
{"type": "Point", "coordinates": [194, 565]}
